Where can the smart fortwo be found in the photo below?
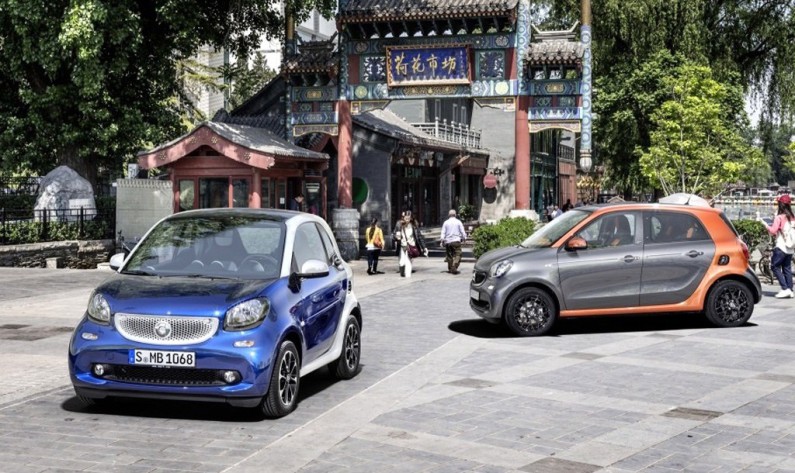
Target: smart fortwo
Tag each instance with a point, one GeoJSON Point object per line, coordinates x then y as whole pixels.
{"type": "Point", "coordinates": [227, 305]}
{"type": "Point", "coordinates": [619, 259]}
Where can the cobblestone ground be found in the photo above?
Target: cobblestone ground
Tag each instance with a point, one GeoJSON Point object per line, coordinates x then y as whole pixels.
{"type": "Point", "coordinates": [440, 391]}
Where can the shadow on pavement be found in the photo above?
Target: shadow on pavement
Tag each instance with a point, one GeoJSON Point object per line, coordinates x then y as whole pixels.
{"type": "Point", "coordinates": [311, 384]}
{"type": "Point", "coordinates": [576, 326]}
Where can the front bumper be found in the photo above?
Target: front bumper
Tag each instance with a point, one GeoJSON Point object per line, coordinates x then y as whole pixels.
{"type": "Point", "coordinates": [202, 382]}
{"type": "Point", "coordinates": [486, 296]}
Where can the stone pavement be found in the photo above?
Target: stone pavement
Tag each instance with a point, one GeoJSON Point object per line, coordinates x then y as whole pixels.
{"type": "Point", "coordinates": [440, 391]}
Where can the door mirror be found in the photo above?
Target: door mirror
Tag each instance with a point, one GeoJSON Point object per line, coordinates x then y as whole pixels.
{"type": "Point", "coordinates": [312, 268]}
{"type": "Point", "coordinates": [116, 261]}
{"type": "Point", "coordinates": [576, 243]}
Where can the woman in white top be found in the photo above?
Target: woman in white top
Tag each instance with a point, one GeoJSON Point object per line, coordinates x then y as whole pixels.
{"type": "Point", "coordinates": [411, 243]}
{"type": "Point", "coordinates": [781, 261]}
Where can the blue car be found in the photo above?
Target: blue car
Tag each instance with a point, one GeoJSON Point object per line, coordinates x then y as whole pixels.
{"type": "Point", "coordinates": [227, 305]}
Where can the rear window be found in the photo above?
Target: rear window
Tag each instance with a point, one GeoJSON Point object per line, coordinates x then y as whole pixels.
{"type": "Point", "coordinates": [729, 224]}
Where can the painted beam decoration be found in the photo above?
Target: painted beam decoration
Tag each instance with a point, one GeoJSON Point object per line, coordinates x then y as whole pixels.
{"type": "Point", "coordinates": [428, 65]}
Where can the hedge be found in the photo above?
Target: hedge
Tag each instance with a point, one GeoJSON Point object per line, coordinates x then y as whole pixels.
{"type": "Point", "coordinates": [506, 232]}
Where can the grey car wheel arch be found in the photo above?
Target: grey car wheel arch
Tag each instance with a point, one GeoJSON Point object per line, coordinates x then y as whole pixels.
{"type": "Point", "coordinates": [550, 292]}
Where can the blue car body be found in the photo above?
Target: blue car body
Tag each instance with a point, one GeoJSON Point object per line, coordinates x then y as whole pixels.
{"type": "Point", "coordinates": [311, 312]}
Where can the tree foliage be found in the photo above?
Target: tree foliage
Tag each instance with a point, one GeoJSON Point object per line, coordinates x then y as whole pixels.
{"type": "Point", "coordinates": [696, 143]}
{"type": "Point", "coordinates": [87, 83]}
{"type": "Point", "coordinates": [247, 81]}
{"type": "Point", "coordinates": [746, 43]}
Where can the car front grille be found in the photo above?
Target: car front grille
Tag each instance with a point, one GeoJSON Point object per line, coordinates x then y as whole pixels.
{"type": "Point", "coordinates": [165, 376]}
{"type": "Point", "coordinates": [165, 330]}
{"type": "Point", "coordinates": [478, 277]}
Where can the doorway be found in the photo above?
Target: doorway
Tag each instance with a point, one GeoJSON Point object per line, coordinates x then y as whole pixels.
{"type": "Point", "coordinates": [415, 188]}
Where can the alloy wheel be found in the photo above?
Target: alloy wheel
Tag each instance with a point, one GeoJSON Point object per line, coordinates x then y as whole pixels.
{"type": "Point", "coordinates": [352, 346]}
{"type": "Point", "coordinates": [288, 378]}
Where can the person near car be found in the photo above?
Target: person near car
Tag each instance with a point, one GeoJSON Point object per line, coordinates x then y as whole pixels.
{"type": "Point", "coordinates": [297, 202]}
{"type": "Point", "coordinates": [408, 235]}
{"type": "Point", "coordinates": [374, 242]}
{"type": "Point", "coordinates": [568, 205]}
{"type": "Point", "coordinates": [781, 261]}
{"type": "Point", "coordinates": [453, 235]}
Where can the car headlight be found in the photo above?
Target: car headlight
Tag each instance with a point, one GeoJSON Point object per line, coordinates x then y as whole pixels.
{"type": "Point", "coordinates": [98, 308]}
{"type": "Point", "coordinates": [246, 314]}
{"type": "Point", "coordinates": [500, 268]}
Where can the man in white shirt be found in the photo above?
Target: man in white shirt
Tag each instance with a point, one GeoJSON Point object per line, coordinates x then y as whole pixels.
{"type": "Point", "coordinates": [453, 234]}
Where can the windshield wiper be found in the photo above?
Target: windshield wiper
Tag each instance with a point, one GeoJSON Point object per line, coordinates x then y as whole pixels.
{"type": "Point", "coordinates": [138, 272]}
{"type": "Point", "coordinates": [203, 276]}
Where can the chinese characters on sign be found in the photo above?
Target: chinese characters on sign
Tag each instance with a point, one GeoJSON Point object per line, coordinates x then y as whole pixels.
{"type": "Point", "coordinates": [422, 65]}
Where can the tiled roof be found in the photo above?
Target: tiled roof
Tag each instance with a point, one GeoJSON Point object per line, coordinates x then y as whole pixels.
{"type": "Point", "coordinates": [313, 56]}
{"type": "Point", "coordinates": [273, 123]}
{"type": "Point", "coordinates": [555, 52]}
{"type": "Point", "coordinates": [386, 10]}
{"type": "Point", "coordinates": [253, 138]}
{"type": "Point", "coordinates": [389, 124]}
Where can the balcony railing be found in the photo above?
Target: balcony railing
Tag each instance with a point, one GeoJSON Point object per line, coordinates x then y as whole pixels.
{"type": "Point", "coordinates": [452, 132]}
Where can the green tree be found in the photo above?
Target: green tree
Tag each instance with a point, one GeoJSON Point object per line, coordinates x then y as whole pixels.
{"type": "Point", "coordinates": [696, 144]}
{"type": "Point", "coordinates": [750, 43]}
{"type": "Point", "coordinates": [88, 83]}
{"type": "Point", "coordinates": [247, 81]}
{"type": "Point", "coordinates": [775, 140]}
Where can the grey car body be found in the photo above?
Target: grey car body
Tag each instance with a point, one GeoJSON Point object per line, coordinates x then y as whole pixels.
{"type": "Point", "coordinates": [642, 271]}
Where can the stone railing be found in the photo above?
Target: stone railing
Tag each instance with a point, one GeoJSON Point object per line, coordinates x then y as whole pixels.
{"type": "Point", "coordinates": [453, 132]}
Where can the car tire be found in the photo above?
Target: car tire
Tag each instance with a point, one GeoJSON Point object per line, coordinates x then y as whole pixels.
{"type": "Point", "coordinates": [530, 312]}
{"type": "Point", "coordinates": [347, 365]}
{"type": "Point", "coordinates": [282, 396]}
{"type": "Point", "coordinates": [729, 304]}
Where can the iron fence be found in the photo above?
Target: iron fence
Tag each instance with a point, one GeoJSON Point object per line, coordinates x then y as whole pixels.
{"type": "Point", "coordinates": [18, 226]}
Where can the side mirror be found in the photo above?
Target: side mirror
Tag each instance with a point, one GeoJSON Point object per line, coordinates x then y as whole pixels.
{"type": "Point", "coordinates": [311, 269]}
{"type": "Point", "coordinates": [116, 261]}
{"type": "Point", "coordinates": [576, 243]}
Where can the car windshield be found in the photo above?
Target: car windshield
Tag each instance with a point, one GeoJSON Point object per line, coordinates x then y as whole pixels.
{"type": "Point", "coordinates": [229, 246]}
{"type": "Point", "coordinates": [552, 231]}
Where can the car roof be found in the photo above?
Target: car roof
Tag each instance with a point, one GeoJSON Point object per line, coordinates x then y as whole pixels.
{"type": "Point", "coordinates": [648, 206]}
{"type": "Point", "coordinates": [277, 215]}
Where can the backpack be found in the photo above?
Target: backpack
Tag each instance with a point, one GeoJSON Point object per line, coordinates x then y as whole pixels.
{"type": "Point", "coordinates": [788, 234]}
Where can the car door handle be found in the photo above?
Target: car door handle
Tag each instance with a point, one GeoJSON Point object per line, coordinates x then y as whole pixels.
{"type": "Point", "coordinates": [694, 253]}
{"type": "Point", "coordinates": [630, 258]}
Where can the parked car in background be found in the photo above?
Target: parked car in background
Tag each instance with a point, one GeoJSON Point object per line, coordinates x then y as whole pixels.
{"type": "Point", "coordinates": [617, 260]}
{"type": "Point", "coordinates": [227, 305]}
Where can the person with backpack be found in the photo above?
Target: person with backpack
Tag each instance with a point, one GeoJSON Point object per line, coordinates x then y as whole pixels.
{"type": "Point", "coordinates": [783, 227]}
{"type": "Point", "coordinates": [374, 242]}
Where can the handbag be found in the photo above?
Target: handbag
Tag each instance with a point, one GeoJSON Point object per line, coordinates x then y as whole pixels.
{"type": "Point", "coordinates": [413, 251]}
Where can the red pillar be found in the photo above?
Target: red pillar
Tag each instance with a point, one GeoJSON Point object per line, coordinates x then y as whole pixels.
{"type": "Point", "coordinates": [344, 158]}
{"type": "Point", "coordinates": [255, 201]}
{"type": "Point", "coordinates": [522, 159]}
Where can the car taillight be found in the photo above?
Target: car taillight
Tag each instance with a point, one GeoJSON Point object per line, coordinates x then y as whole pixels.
{"type": "Point", "coordinates": [746, 254]}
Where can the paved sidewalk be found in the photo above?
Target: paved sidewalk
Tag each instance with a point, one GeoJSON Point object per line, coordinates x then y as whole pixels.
{"type": "Point", "coordinates": [440, 391]}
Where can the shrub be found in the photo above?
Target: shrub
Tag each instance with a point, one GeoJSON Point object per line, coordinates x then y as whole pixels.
{"type": "Point", "coordinates": [753, 232]}
{"type": "Point", "coordinates": [466, 212]}
{"type": "Point", "coordinates": [506, 232]}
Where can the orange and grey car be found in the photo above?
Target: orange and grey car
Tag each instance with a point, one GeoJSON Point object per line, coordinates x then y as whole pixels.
{"type": "Point", "coordinates": [618, 260]}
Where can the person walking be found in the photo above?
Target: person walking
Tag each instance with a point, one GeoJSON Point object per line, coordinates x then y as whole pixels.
{"type": "Point", "coordinates": [411, 243]}
{"type": "Point", "coordinates": [374, 242]}
{"type": "Point", "coordinates": [781, 261]}
{"type": "Point", "coordinates": [453, 235]}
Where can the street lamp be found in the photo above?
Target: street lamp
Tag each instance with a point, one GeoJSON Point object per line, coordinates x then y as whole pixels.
{"type": "Point", "coordinates": [585, 163]}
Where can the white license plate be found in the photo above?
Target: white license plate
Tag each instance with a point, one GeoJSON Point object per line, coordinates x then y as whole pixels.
{"type": "Point", "coordinates": [163, 358]}
{"type": "Point", "coordinates": [474, 294]}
